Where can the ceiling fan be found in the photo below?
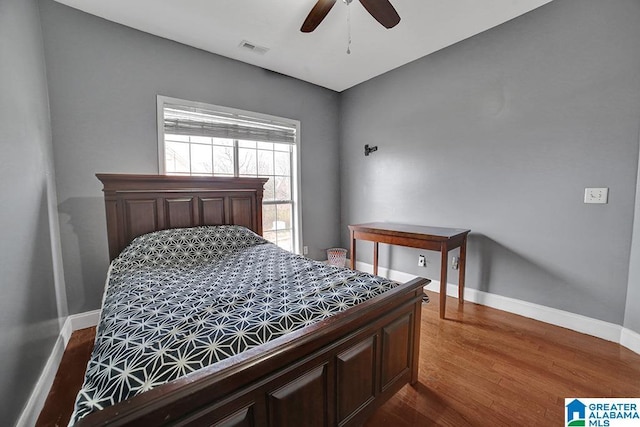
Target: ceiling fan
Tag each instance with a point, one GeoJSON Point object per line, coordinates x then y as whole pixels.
{"type": "Point", "coordinates": [381, 10]}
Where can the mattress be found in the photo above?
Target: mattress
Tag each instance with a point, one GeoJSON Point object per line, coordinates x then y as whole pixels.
{"type": "Point", "coordinates": [181, 299]}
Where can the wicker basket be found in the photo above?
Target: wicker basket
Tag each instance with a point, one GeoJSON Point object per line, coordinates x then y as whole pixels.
{"type": "Point", "coordinates": [337, 257]}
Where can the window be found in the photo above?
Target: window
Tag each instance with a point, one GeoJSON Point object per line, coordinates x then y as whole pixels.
{"type": "Point", "coordinates": [203, 139]}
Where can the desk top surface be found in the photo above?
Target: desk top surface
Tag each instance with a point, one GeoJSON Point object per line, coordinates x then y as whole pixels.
{"type": "Point", "coordinates": [417, 231]}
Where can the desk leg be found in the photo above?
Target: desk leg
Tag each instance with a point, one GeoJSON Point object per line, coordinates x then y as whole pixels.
{"type": "Point", "coordinates": [375, 258]}
{"type": "Point", "coordinates": [444, 252]}
{"type": "Point", "coordinates": [462, 263]}
{"type": "Point", "coordinates": [353, 251]}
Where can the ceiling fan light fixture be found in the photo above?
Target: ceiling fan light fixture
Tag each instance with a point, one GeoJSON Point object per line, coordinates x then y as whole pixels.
{"type": "Point", "coordinates": [381, 10]}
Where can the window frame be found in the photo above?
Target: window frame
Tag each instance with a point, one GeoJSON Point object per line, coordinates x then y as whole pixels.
{"type": "Point", "coordinates": [296, 193]}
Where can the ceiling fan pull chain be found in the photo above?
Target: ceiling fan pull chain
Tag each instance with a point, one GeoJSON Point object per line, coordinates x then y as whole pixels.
{"type": "Point", "coordinates": [348, 27]}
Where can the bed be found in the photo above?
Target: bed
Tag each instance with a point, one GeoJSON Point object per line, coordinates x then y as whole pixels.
{"type": "Point", "coordinates": [330, 368]}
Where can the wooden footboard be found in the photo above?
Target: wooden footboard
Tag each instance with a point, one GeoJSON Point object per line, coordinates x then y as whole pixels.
{"type": "Point", "coordinates": [332, 373]}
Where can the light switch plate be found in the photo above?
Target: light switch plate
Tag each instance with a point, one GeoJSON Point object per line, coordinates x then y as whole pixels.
{"type": "Point", "coordinates": [596, 195]}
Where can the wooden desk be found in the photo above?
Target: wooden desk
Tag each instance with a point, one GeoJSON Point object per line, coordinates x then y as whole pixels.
{"type": "Point", "coordinates": [416, 236]}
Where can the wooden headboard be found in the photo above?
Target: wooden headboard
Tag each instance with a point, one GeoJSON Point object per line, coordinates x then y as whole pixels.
{"type": "Point", "coordinates": [139, 204]}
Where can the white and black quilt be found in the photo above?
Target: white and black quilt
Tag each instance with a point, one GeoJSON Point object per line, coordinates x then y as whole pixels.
{"type": "Point", "coordinates": [181, 299]}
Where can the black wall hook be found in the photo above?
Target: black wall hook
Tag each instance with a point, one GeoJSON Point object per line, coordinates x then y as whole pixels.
{"type": "Point", "coordinates": [368, 150]}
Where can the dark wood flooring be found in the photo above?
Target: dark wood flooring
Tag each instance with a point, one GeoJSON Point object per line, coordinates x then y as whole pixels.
{"type": "Point", "coordinates": [479, 367]}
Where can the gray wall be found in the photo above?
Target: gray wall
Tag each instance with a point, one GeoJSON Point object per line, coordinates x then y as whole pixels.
{"type": "Point", "coordinates": [103, 82]}
{"type": "Point", "coordinates": [501, 133]}
{"type": "Point", "coordinates": [28, 308]}
{"type": "Point", "coordinates": [632, 314]}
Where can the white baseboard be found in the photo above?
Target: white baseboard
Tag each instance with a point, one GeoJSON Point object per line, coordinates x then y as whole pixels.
{"type": "Point", "coordinates": [84, 320]}
{"type": "Point", "coordinates": [630, 339]}
{"type": "Point", "coordinates": [565, 319]}
{"type": "Point", "coordinates": [39, 394]}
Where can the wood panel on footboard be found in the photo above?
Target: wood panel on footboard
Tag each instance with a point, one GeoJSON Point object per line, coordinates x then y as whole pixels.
{"type": "Point", "coordinates": [332, 373]}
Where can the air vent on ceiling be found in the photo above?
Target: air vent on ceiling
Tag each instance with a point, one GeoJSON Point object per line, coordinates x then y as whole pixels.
{"type": "Point", "coordinates": [261, 50]}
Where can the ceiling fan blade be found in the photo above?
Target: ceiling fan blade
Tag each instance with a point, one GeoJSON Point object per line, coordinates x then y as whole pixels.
{"type": "Point", "coordinates": [317, 14]}
{"type": "Point", "coordinates": [382, 11]}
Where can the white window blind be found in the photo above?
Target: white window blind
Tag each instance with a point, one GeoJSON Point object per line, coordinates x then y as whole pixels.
{"type": "Point", "coordinates": [194, 121]}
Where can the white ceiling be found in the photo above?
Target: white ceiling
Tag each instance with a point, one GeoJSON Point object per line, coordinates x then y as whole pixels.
{"type": "Point", "coordinates": [320, 57]}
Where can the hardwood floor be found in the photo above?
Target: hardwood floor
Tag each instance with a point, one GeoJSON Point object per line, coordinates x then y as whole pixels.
{"type": "Point", "coordinates": [59, 404]}
{"type": "Point", "coordinates": [478, 367]}
{"type": "Point", "coordinates": [486, 367]}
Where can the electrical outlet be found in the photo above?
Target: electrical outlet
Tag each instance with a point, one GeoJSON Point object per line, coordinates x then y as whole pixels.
{"type": "Point", "coordinates": [422, 261]}
{"type": "Point", "coordinates": [596, 195]}
{"type": "Point", "coordinates": [305, 250]}
{"type": "Point", "coordinates": [455, 262]}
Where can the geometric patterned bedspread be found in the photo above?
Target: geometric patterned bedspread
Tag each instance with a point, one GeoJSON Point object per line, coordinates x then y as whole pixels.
{"type": "Point", "coordinates": [182, 299]}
